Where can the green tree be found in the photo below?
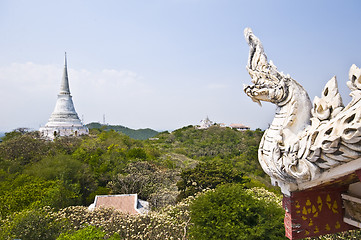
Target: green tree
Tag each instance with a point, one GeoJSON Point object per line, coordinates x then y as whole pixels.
{"type": "Point", "coordinates": [247, 161]}
{"type": "Point", "coordinates": [207, 175]}
{"type": "Point", "coordinates": [27, 192]}
{"type": "Point", "coordinates": [137, 153]}
{"type": "Point", "coordinates": [105, 154]}
{"type": "Point", "coordinates": [67, 145]}
{"type": "Point", "coordinates": [58, 167]}
{"type": "Point", "coordinates": [74, 176]}
{"type": "Point", "coordinates": [207, 144]}
{"type": "Point", "coordinates": [230, 212]}
{"type": "Point", "coordinates": [10, 135]}
{"type": "Point", "coordinates": [21, 150]}
{"type": "Point", "coordinates": [143, 178]}
{"type": "Point", "coordinates": [87, 233]}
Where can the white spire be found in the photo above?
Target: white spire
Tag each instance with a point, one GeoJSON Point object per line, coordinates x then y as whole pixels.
{"type": "Point", "coordinates": [64, 87]}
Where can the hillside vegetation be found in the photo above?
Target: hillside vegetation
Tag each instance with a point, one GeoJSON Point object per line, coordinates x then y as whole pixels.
{"type": "Point", "coordinates": [45, 184]}
{"type": "Point", "coordinates": [140, 134]}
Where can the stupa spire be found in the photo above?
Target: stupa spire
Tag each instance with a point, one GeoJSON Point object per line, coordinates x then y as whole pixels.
{"type": "Point", "coordinates": [64, 120]}
{"type": "Point", "coordinates": [64, 87]}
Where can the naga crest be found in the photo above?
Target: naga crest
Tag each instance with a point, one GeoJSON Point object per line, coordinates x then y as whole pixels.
{"type": "Point", "coordinates": [306, 141]}
{"type": "Point", "coordinates": [269, 84]}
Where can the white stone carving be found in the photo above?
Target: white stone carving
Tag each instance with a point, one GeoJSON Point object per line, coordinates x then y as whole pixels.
{"type": "Point", "coordinates": [305, 140]}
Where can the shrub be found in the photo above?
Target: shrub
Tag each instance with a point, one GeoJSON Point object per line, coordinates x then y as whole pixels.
{"type": "Point", "coordinates": [136, 153]}
{"type": "Point", "coordinates": [207, 175]}
{"type": "Point", "coordinates": [230, 212]}
{"type": "Point", "coordinates": [87, 233]}
{"type": "Point", "coordinates": [145, 179]}
{"type": "Point", "coordinates": [32, 224]}
{"type": "Point", "coordinates": [169, 224]}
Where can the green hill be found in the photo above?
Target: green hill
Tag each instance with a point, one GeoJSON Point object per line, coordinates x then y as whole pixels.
{"type": "Point", "coordinates": [140, 134]}
{"type": "Point", "coordinates": [215, 143]}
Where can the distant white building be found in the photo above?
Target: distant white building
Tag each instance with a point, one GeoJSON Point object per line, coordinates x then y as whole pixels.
{"type": "Point", "coordinates": [206, 123]}
{"type": "Point", "coordinates": [64, 120]}
{"type": "Point", "coordinates": [239, 126]}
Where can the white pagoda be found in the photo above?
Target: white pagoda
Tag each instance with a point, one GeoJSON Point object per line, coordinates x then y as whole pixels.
{"type": "Point", "coordinates": [206, 123]}
{"type": "Point", "coordinates": [64, 120]}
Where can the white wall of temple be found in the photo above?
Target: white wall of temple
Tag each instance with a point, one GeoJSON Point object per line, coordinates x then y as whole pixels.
{"type": "Point", "coordinates": [52, 133]}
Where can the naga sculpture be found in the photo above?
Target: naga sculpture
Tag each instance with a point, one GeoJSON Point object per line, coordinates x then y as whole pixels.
{"type": "Point", "coordinates": [304, 140]}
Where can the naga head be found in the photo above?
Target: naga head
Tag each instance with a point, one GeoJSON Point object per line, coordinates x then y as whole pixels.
{"type": "Point", "coordinates": [269, 84]}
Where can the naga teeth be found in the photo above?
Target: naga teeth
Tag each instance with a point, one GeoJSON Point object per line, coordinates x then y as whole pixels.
{"type": "Point", "coordinates": [257, 101]}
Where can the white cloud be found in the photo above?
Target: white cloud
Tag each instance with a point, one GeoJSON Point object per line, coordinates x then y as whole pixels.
{"type": "Point", "coordinates": [26, 77]}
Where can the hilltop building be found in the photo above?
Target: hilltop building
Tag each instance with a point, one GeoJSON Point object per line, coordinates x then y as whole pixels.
{"type": "Point", "coordinates": [239, 126]}
{"type": "Point", "coordinates": [206, 123]}
{"type": "Point", "coordinates": [64, 120]}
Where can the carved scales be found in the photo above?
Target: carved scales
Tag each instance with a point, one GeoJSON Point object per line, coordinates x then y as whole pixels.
{"type": "Point", "coordinates": [304, 139]}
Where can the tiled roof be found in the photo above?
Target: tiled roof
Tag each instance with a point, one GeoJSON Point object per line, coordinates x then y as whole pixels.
{"type": "Point", "coordinates": [238, 125]}
{"type": "Point", "coordinates": [126, 203]}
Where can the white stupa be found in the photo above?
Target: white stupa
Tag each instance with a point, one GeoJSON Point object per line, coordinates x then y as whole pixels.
{"type": "Point", "coordinates": [64, 120]}
{"type": "Point", "coordinates": [206, 123]}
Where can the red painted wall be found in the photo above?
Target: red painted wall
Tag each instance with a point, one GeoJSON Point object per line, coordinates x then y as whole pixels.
{"type": "Point", "coordinates": [314, 212]}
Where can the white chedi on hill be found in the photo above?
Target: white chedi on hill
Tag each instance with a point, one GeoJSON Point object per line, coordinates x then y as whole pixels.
{"type": "Point", "coordinates": [206, 123]}
{"type": "Point", "coordinates": [64, 120]}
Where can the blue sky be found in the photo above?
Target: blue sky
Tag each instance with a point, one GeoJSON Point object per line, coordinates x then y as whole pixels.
{"type": "Point", "coordinates": [165, 64]}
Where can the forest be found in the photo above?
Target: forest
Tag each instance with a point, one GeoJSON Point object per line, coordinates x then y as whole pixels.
{"type": "Point", "coordinates": [200, 183]}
